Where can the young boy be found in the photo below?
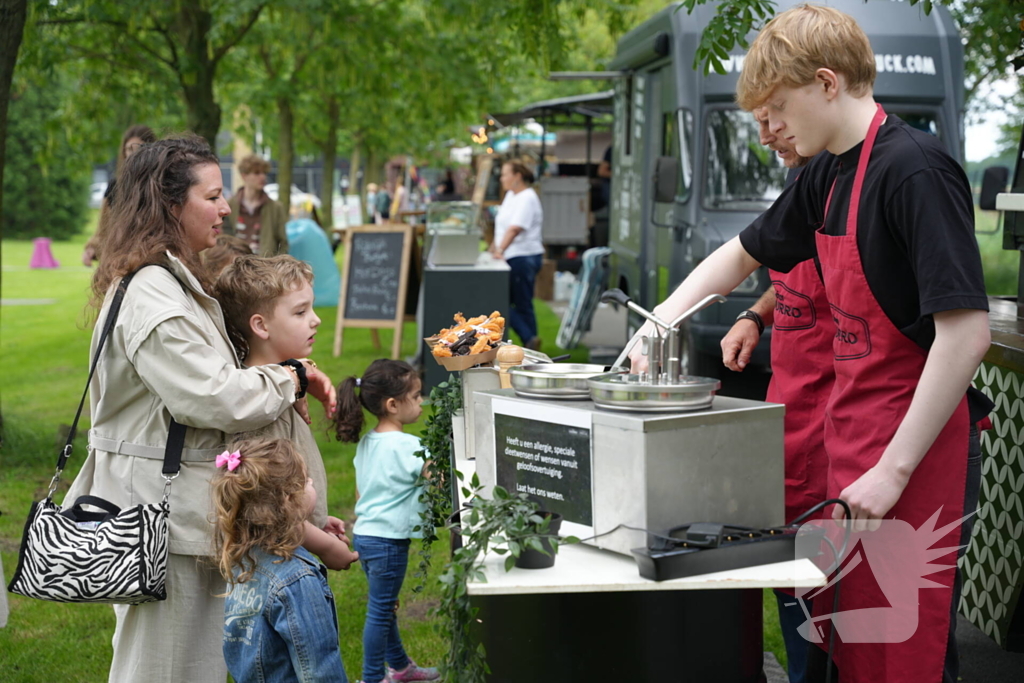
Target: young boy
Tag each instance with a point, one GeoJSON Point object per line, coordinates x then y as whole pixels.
{"type": "Point", "coordinates": [268, 309]}
{"type": "Point", "coordinates": [902, 274]}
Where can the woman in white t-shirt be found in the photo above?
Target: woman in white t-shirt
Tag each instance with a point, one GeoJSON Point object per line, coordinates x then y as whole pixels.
{"type": "Point", "coordinates": [517, 239]}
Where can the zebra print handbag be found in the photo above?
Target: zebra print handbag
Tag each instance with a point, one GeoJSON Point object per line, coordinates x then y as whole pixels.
{"type": "Point", "coordinates": [113, 556]}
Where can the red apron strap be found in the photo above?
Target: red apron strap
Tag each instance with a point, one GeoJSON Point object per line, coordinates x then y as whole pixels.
{"type": "Point", "coordinates": [862, 169]}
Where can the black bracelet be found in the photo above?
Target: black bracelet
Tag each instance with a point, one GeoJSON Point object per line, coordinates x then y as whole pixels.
{"type": "Point", "coordinates": [300, 371]}
{"type": "Point", "coordinates": [755, 317]}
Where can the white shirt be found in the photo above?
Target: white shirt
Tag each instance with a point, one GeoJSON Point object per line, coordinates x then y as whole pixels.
{"type": "Point", "coordinates": [522, 209]}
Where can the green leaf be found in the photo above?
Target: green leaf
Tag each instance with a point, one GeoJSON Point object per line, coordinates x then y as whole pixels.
{"type": "Point", "coordinates": [510, 562]}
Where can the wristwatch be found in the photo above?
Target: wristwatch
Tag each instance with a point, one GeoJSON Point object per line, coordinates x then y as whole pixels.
{"type": "Point", "coordinates": [751, 315]}
{"type": "Point", "coordinates": [300, 370]}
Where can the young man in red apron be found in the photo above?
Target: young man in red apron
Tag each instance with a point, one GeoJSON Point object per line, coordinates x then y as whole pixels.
{"type": "Point", "coordinates": [888, 215]}
{"type": "Point", "coordinates": [796, 308]}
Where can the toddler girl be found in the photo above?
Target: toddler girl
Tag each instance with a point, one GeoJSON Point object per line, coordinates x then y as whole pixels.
{"type": "Point", "coordinates": [388, 507]}
{"type": "Point", "coordinates": [279, 616]}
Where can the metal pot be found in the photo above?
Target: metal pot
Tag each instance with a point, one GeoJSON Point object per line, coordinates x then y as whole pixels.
{"type": "Point", "coordinates": [566, 381]}
{"type": "Point", "coordinates": [629, 393]}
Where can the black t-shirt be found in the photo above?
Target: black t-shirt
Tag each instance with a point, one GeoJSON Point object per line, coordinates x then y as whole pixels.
{"type": "Point", "coordinates": [915, 231]}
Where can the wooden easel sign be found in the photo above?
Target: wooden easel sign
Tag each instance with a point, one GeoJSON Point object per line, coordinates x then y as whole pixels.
{"type": "Point", "coordinates": [374, 275]}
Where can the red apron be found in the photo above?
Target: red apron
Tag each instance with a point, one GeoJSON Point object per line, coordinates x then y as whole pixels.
{"type": "Point", "coordinates": [802, 377]}
{"type": "Point", "coordinates": [877, 371]}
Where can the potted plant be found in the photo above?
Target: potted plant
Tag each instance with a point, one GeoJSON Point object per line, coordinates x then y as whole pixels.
{"type": "Point", "coordinates": [507, 524]}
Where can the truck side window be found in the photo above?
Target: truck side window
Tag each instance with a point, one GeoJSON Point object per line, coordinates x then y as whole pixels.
{"type": "Point", "coordinates": [740, 173]}
{"type": "Point", "coordinates": [676, 134]}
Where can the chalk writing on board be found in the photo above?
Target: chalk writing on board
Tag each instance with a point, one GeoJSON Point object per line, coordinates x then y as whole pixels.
{"type": "Point", "coordinates": [374, 278]}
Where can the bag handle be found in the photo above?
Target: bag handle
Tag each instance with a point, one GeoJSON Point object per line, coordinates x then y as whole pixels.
{"type": "Point", "coordinates": [176, 433]}
{"type": "Point", "coordinates": [100, 503]}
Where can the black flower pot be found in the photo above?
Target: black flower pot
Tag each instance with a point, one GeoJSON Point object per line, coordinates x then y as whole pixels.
{"type": "Point", "coordinates": [532, 559]}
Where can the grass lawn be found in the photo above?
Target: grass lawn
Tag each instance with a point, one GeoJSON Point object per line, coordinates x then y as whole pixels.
{"type": "Point", "coordinates": [44, 349]}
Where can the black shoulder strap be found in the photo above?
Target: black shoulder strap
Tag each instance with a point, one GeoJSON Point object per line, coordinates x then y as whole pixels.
{"type": "Point", "coordinates": [176, 433]}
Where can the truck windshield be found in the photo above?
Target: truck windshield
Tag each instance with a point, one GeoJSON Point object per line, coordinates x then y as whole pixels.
{"type": "Point", "coordinates": [741, 174]}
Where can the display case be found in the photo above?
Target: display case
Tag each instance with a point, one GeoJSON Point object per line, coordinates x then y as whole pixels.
{"type": "Point", "coordinates": [453, 235]}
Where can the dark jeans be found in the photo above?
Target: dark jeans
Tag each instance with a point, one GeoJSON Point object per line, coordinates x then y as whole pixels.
{"type": "Point", "coordinates": [384, 560]}
{"type": "Point", "coordinates": [521, 281]}
{"type": "Point", "coordinates": [791, 615]}
{"type": "Point", "coordinates": [951, 670]}
{"type": "Point", "coordinates": [972, 491]}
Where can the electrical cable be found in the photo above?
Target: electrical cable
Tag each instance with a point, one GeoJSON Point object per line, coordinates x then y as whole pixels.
{"type": "Point", "coordinates": [838, 559]}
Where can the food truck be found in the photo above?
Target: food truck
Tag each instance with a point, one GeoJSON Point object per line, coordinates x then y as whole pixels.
{"type": "Point", "coordinates": [715, 177]}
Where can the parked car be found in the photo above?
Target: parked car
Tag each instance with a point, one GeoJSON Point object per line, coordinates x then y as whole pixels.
{"type": "Point", "coordinates": [299, 198]}
{"type": "Point", "coordinates": [96, 192]}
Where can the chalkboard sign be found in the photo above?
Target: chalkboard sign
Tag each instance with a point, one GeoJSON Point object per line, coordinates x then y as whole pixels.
{"type": "Point", "coordinates": [373, 280]}
{"type": "Point", "coordinates": [546, 454]}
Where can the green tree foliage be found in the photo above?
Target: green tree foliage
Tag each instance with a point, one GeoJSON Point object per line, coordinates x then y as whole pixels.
{"type": "Point", "coordinates": [45, 181]}
{"type": "Point", "coordinates": [178, 45]}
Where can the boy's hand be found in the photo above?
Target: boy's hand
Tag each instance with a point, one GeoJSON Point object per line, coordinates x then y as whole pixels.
{"type": "Point", "coordinates": [320, 387]}
{"type": "Point", "coordinates": [302, 408]}
{"type": "Point", "coordinates": [871, 498]}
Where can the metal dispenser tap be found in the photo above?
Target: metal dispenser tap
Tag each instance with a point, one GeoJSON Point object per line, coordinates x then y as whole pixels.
{"type": "Point", "coordinates": [663, 351]}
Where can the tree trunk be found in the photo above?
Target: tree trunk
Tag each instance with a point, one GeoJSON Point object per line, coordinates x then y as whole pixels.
{"type": "Point", "coordinates": [198, 70]}
{"type": "Point", "coordinates": [372, 175]}
{"type": "Point", "coordinates": [285, 151]}
{"type": "Point", "coordinates": [355, 162]}
{"type": "Point", "coordinates": [330, 154]}
{"type": "Point", "coordinates": [12, 24]}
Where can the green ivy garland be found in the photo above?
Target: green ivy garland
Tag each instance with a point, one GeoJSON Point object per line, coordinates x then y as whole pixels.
{"type": "Point", "coordinates": [438, 452]}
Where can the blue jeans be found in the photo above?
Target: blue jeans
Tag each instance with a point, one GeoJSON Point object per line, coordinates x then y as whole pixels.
{"type": "Point", "coordinates": [521, 281]}
{"type": "Point", "coordinates": [791, 615]}
{"type": "Point", "coordinates": [384, 560]}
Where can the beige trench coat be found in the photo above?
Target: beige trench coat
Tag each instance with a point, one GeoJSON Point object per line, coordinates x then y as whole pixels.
{"type": "Point", "coordinates": [169, 354]}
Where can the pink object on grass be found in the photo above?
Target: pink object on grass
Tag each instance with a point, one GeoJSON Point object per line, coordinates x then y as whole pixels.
{"type": "Point", "coordinates": [42, 257]}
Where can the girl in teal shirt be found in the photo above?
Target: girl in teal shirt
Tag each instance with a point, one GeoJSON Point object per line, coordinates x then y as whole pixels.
{"type": "Point", "coordinates": [388, 507]}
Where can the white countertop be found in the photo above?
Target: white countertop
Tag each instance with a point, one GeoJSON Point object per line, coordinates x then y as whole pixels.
{"type": "Point", "coordinates": [585, 569]}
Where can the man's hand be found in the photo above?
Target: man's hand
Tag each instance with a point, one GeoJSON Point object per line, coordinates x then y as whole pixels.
{"type": "Point", "coordinates": [871, 497]}
{"type": "Point", "coordinates": [739, 344]}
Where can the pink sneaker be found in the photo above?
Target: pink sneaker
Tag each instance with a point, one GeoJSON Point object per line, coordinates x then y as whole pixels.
{"type": "Point", "coordinates": [414, 672]}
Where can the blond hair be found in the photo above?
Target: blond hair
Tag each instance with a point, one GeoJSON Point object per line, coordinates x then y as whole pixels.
{"type": "Point", "coordinates": [253, 284]}
{"type": "Point", "coordinates": [253, 163]}
{"type": "Point", "coordinates": [261, 504]}
{"type": "Point", "coordinates": [795, 44]}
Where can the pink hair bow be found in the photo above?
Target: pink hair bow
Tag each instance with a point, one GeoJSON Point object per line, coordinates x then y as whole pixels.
{"type": "Point", "coordinates": [231, 460]}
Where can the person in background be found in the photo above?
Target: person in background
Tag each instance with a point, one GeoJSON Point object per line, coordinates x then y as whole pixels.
{"type": "Point", "coordinates": [133, 138]}
{"type": "Point", "coordinates": [280, 621]}
{"type": "Point", "coordinates": [518, 240]}
{"type": "Point", "coordinates": [371, 201]}
{"type": "Point", "coordinates": [382, 205]}
{"type": "Point", "coordinates": [224, 253]}
{"type": "Point", "coordinates": [255, 217]}
{"type": "Point", "coordinates": [388, 504]}
{"type": "Point", "coordinates": [802, 379]}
